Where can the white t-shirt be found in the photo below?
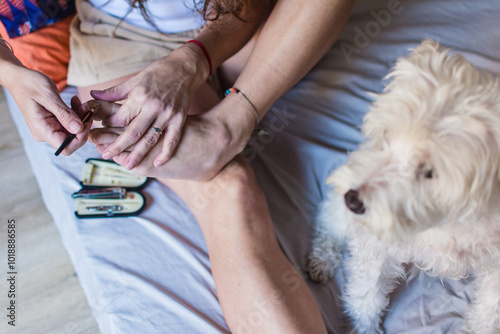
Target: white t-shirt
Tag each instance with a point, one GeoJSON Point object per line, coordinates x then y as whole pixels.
{"type": "Point", "coordinates": [170, 16]}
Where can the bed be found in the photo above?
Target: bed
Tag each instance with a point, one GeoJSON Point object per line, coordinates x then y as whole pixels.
{"type": "Point", "coordinates": [151, 273]}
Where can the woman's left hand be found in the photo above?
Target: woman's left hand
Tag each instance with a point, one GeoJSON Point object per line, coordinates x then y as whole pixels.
{"type": "Point", "coordinates": [157, 98]}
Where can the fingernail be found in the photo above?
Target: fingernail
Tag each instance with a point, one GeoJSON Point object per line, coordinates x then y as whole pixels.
{"type": "Point", "coordinates": [75, 126]}
{"type": "Point", "coordinates": [129, 165]}
{"type": "Point", "coordinates": [157, 164]}
{"type": "Point", "coordinates": [106, 155]}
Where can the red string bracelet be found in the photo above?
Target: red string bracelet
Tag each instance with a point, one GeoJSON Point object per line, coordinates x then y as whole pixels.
{"type": "Point", "coordinates": [205, 52]}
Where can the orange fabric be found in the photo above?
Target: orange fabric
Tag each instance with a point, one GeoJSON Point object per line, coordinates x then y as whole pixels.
{"type": "Point", "coordinates": [45, 50]}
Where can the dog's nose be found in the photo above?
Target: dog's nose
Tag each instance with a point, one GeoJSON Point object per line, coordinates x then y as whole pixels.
{"type": "Point", "coordinates": [353, 202]}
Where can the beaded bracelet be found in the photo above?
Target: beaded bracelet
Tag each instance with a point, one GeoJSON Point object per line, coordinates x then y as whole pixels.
{"type": "Point", "coordinates": [205, 52]}
{"type": "Point", "coordinates": [10, 46]}
{"type": "Point", "coordinates": [236, 90]}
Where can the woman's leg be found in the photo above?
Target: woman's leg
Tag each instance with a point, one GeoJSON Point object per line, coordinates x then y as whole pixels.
{"type": "Point", "coordinates": [258, 288]}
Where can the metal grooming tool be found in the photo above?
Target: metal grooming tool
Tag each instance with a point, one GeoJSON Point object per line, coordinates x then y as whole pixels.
{"type": "Point", "coordinates": [108, 208]}
{"type": "Point", "coordinates": [108, 193]}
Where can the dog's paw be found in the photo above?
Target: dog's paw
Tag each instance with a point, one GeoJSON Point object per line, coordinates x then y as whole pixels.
{"type": "Point", "coordinates": [369, 330]}
{"type": "Point", "coordinates": [321, 267]}
{"type": "Point", "coordinates": [366, 318]}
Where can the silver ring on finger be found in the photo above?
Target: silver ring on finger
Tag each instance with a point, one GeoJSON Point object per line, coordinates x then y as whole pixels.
{"type": "Point", "coordinates": [157, 130]}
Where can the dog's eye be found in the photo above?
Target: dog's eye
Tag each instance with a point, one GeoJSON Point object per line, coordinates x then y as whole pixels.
{"type": "Point", "coordinates": [428, 173]}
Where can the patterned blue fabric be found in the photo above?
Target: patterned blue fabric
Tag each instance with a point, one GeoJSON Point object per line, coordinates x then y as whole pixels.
{"type": "Point", "coordinates": [21, 17]}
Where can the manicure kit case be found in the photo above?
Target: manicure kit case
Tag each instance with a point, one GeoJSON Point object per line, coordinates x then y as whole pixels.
{"type": "Point", "coordinates": [108, 190]}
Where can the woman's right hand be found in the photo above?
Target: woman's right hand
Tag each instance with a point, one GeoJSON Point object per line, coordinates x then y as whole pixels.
{"type": "Point", "coordinates": [47, 116]}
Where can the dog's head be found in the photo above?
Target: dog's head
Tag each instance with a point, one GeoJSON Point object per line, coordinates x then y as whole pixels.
{"type": "Point", "coordinates": [432, 149]}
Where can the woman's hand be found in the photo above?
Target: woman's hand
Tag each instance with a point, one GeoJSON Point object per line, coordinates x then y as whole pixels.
{"type": "Point", "coordinates": [47, 116]}
{"type": "Point", "coordinates": [159, 97]}
{"type": "Point", "coordinates": [209, 141]}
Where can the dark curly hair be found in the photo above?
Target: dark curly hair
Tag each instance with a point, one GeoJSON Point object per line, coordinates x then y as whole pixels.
{"type": "Point", "coordinates": [210, 10]}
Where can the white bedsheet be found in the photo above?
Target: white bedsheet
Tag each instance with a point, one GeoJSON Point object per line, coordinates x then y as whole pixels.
{"type": "Point", "coordinates": [151, 274]}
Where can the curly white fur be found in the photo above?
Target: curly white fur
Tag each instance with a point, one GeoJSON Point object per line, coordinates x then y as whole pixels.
{"type": "Point", "coordinates": [428, 177]}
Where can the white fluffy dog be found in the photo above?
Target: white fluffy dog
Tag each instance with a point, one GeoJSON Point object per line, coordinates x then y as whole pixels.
{"type": "Point", "coordinates": [424, 189]}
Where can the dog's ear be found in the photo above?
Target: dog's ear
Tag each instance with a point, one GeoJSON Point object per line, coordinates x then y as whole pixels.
{"type": "Point", "coordinates": [492, 120]}
{"type": "Point", "coordinates": [475, 135]}
{"type": "Point", "coordinates": [467, 160]}
{"type": "Point", "coordinates": [482, 106]}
